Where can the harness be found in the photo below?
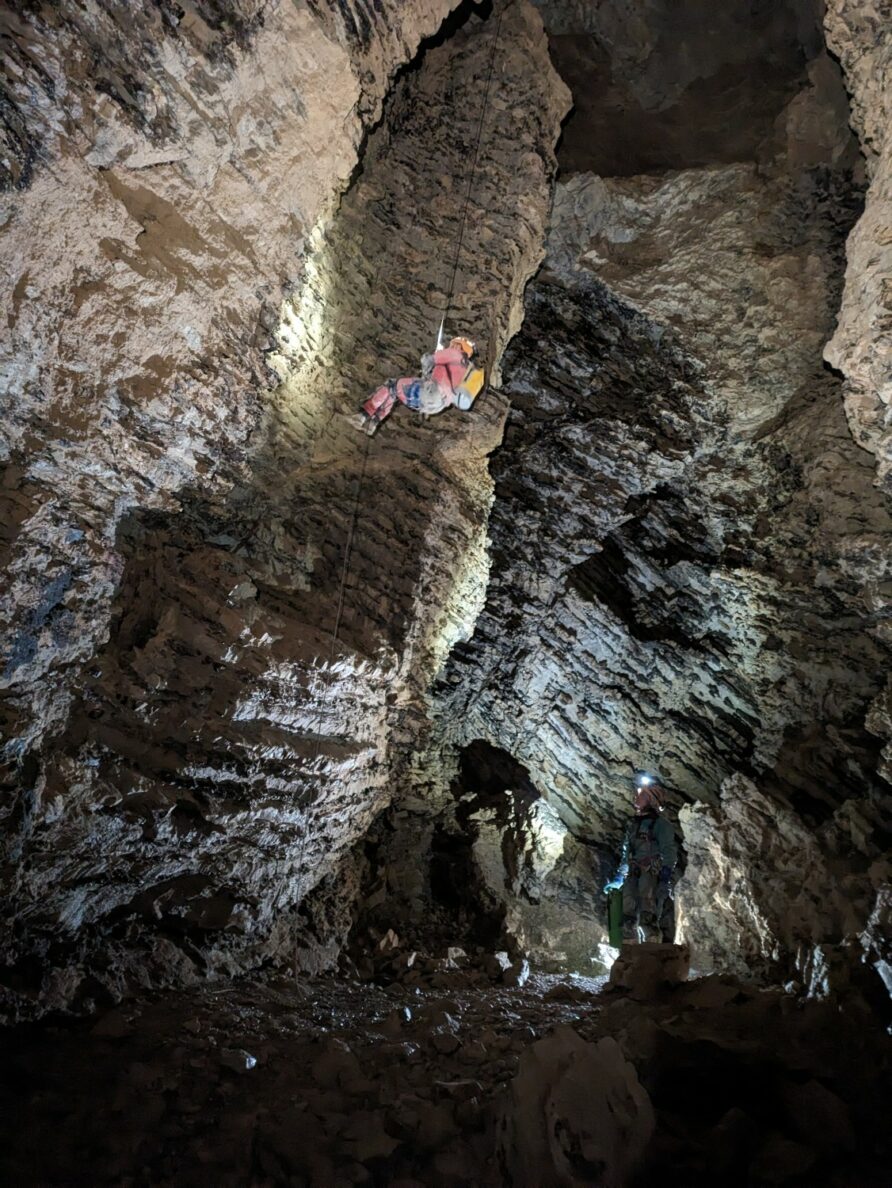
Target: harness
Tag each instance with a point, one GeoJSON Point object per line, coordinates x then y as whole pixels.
{"type": "Point", "coordinates": [650, 859]}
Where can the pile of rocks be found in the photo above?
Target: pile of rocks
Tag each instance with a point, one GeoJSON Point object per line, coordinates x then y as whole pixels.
{"type": "Point", "coordinates": [388, 961]}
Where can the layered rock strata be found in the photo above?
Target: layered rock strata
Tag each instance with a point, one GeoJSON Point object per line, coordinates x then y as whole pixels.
{"type": "Point", "coordinates": [192, 748]}
{"type": "Point", "coordinates": [784, 895]}
{"type": "Point", "coordinates": [860, 33]}
{"type": "Point", "coordinates": [487, 862]}
{"type": "Point", "coordinates": [687, 545]}
{"type": "Point", "coordinates": [164, 172]}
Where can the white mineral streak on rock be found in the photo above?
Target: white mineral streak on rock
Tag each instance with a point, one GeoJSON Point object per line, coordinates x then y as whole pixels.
{"type": "Point", "coordinates": [144, 286]}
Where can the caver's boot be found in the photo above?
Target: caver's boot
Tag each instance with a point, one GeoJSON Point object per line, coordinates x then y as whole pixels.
{"type": "Point", "coordinates": [367, 422]}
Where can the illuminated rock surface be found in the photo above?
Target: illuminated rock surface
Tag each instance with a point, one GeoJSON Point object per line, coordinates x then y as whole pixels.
{"type": "Point", "coordinates": [688, 547]}
{"type": "Point", "coordinates": [190, 750]}
{"type": "Point", "coordinates": [317, 748]}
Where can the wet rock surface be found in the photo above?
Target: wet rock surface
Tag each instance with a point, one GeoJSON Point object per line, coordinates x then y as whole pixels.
{"type": "Point", "coordinates": [333, 1082]}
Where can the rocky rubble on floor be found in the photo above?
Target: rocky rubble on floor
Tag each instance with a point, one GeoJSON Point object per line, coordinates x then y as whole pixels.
{"type": "Point", "coordinates": [559, 1082]}
{"type": "Point", "coordinates": [389, 961]}
{"type": "Point", "coordinates": [576, 1109]}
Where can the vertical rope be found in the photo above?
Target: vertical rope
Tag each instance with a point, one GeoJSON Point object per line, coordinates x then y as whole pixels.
{"type": "Point", "coordinates": [464, 217]}
{"type": "Point", "coordinates": [310, 815]}
{"type": "Point", "coordinates": [335, 633]}
{"type": "Point", "coordinates": [349, 549]}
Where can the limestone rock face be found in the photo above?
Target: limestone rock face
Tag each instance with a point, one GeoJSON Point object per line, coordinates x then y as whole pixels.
{"type": "Point", "coordinates": [688, 549]}
{"type": "Point", "coordinates": [765, 896]}
{"type": "Point", "coordinates": [663, 85]}
{"type": "Point", "coordinates": [235, 629]}
{"type": "Point", "coordinates": [224, 606]}
{"type": "Point", "coordinates": [547, 884]}
{"type": "Point", "coordinates": [860, 33]}
{"type": "Point", "coordinates": [626, 568]}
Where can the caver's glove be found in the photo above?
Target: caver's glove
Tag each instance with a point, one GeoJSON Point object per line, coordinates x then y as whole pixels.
{"type": "Point", "coordinates": [618, 879]}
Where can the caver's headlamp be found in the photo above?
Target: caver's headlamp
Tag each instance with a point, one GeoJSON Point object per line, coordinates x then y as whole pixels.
{"type": "Point", "coordinates": [644, 779]}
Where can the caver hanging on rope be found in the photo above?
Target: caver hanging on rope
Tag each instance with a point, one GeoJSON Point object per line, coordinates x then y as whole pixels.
{"type": "Point", "coordinates": [449, 376]}
{"type": "Point", "coordinates": [452, 372]}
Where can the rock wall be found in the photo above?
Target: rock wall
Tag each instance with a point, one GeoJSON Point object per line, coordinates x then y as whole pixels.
{"type": "Point", "coordinates": [688, 551]}
{"type": "Point", "coordinates": [785, 901]}
{"type": "Point", "coordinates": [164, 171]}
{"type": "Point", "coordinates": [660, 85]}
{"type": "Point", "coordinates": [190, 750]}
{"type": "Point", "coordinates": [860, 33]}
{"type": "Point", "coordinates": [224, 224]}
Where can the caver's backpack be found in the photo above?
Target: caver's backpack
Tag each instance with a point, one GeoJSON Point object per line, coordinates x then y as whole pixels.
{"type": "Point", "coordinates": [469, 389]}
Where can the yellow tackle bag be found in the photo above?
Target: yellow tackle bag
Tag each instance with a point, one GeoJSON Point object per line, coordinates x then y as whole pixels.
{"type": "Point", "coordinates": [469, 389]}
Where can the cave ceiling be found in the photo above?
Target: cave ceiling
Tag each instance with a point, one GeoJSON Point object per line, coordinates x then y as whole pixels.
{"type": "Point", "coordinates": [662, 85]}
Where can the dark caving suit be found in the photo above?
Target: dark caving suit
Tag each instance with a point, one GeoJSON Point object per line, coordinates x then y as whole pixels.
{"type": "Point", "coordinates": [649, 855]}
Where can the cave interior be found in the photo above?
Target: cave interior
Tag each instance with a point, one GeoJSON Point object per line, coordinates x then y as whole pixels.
{"type": "Point", "coordinates": [319, 747]}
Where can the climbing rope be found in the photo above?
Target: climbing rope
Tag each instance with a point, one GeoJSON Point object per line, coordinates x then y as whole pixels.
{"type": "Point", "coordinates": [310, 814]}
{"type": "Point", "coordinates": [335, 633]}
{"type": "Point", "coordinates": [464, 217]}
{"type": "Point", "coordinates": [449, 295]}
{"type": "Point", "coordinates": [349, 549]}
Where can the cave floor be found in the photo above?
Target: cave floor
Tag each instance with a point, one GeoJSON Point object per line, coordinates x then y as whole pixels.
{"type": "Point", "coordinates": [331, 1082]}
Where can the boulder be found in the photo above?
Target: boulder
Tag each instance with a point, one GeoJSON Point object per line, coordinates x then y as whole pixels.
{"type": "Point", "coordinates": [576, 1114]}
{"type": "Point", "coordinates": [642, 971]}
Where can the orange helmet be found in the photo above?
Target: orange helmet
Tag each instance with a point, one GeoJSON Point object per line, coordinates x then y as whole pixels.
{"type": "Point", "coordinates": [463, 344]}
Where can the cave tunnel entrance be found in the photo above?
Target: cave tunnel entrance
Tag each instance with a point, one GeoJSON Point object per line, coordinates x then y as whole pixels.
{"type": "Point", "coordinates": [547, 881]}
